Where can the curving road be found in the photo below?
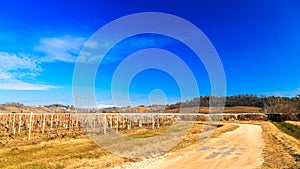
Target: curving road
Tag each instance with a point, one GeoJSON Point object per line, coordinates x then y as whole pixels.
{"type": "Point", "coordinates": [240, 148]}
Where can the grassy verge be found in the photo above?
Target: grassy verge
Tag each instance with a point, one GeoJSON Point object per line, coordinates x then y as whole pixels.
{"type": "Point", "coordinates": [193, 136]}
{"type": "Point", "coordinates": [290, 129]}
{"type": "Point", "coordinates": [281, 150]}
{"type": "Point", "coordinates": [59, 153]}
{"type": "Point", "coordinates": [149, 133]}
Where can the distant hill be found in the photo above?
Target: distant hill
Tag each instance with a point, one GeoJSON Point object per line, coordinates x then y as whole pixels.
{"type": "Point", "coordinates": [20, 108]}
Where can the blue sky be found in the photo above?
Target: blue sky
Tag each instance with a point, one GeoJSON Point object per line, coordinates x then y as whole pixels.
{"type": "Point", "coordinates": [258, 43]}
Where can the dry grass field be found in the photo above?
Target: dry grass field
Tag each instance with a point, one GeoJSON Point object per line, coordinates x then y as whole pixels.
{"type": "Point", "coordinates": [60, 153]}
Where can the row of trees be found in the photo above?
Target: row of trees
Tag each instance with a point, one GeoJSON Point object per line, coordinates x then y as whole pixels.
{"type": "Point", "coordinates": [282, 105]}
{"type": "Point", "coordinates": [269, 104]}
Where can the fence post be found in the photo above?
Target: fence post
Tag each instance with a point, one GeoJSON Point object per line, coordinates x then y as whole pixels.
{"type": "Point", "coordinates": [153, 122]}
{"type": "Point", "coordinates": [117, 123]}
{"type": "Point", "coordinates": [105, 123]}
{"type": "Point", "coordinates": [111, 121]}
{"type": "Point", "coordinates": [30, 121]}
{"type": "Point", "coordinates": [157, 121]}
{"type": "Point", "coordinates": [14, 127]}
{"type": "Point", "coordinates": [44, 122]}
{"type": "Point", "coordinates": [20, 123]}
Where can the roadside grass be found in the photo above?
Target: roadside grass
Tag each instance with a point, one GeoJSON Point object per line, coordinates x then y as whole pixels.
{"type": "Point", "coordinates": [290, 129]}
{"type": "Point", "coordinates": [149, 133]}
{"type": "Point", "coordinates": [56, 154]}
{"type": "Point", "coordinates": [297, 123]}
{"type": "Point", "coordinates": [281, 150]}
{"type": "Point", "coordinates": [193, 136]}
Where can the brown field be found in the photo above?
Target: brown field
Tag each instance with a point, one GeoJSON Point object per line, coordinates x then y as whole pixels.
{"type": "Point", "coordinates": [235, 109]}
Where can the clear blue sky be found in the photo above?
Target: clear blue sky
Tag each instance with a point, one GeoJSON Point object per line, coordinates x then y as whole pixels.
{"type": "Point", "coordinates": [258, 43]}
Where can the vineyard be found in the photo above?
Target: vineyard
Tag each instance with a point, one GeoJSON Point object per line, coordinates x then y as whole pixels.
{"type": "Point", "coordinates": [33, 126]}
{"type": "Point", "coordinates": [41, 126]}
{"type": "Point", "coordinates": [45, 126]}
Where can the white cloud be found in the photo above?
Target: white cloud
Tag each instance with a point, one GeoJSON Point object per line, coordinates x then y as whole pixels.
{"type": "Point", "coordinates": [63, 49]}
{"type": "Point", "coordinates": [91, 44]}
{"type": "Point", "coordinates": [99, 106]}
{"type": "Point", "coordinates": [14, 67]}
{"type": "Point", "coordinates": [17, 71]}
{"type": "Point", "coordinates": [5, 75]}
{"type": "Point", "coordinates": [13, 62]}
{"type": "Point", "coordinates": [104, 106]}
{"type": "Point", "coordinates": [15, 84]}
{"type": "Point", "coordinates": [283, 93]}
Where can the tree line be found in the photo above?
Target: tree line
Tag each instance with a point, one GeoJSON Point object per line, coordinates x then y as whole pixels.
{"type": "Point", "coordinates": [269, 104]}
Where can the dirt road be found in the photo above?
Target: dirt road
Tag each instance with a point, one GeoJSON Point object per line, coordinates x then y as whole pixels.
{"type": "Point", "coordinates": [240, 148]}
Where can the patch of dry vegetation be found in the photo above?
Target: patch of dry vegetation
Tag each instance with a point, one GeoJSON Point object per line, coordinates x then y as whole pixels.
{"type": "Point", "coordinates": [193, 136]}
{"type": "Point", "coordinates": [281, 149]}
{"type": "Point", "coordinates": [297, 123]}
{"type": "Point", "coordinates": [60, 153]}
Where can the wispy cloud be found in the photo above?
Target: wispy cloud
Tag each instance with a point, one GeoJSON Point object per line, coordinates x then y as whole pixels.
{"type": "Point", "coordinates": [91, 44]}
{"type": "Point", "coordinates": [99, 106]}
{"type": "Point", "coordinates": [15, 84]}
{"type": "Point", "coordinates": [283, 93]}
{"type": "Point", "coordinates": [16, 62]}
{"type": "Point", "coordinates": [16, 69]}
{"type": "Point", "coordinates": [64, 49]}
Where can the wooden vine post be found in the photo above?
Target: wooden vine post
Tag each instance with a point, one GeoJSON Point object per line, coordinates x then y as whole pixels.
{"type": "Point", "coordinates": [30, 124]}
{"type": "Point", "coordinates": [14, 126]}
{"type": "Point", "coordinates": [20, 123]}
{"type": "Point", "coordinates": [44, 122]}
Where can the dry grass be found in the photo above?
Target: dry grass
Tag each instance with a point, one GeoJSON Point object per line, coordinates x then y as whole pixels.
{"type": "Point", "coordinates": [297, 123]}
{"type": "Point", "coordinates": [59, 153]}
{"type": "Point", "coordinates": [144, 133]}
{"type": "Point", "coordinates": [193, 136]}
{"type": "Point", "coordinates": [224, 129]}
{"type": "Point", "coordinates": [281, 148]}
{"type": "Point", "coordinates": [142, 108]}
{"type": "Point", "coordinates": [242, 109]}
